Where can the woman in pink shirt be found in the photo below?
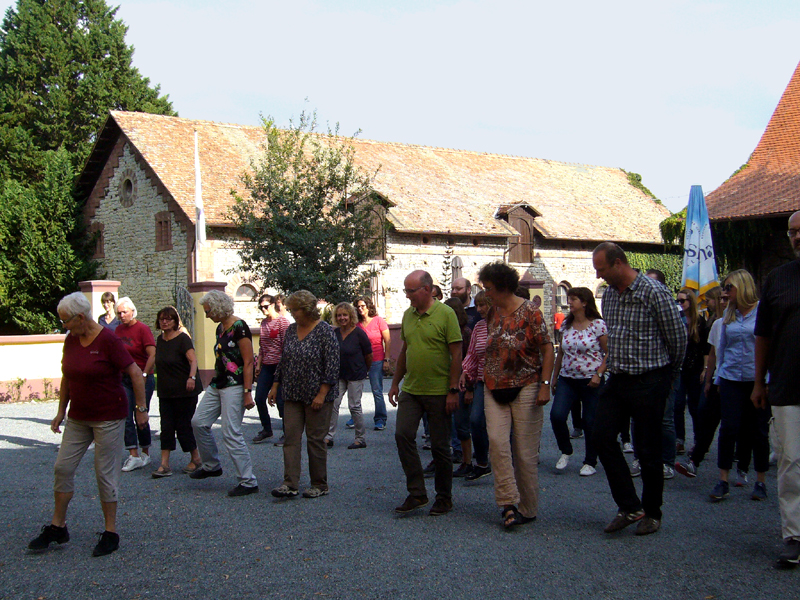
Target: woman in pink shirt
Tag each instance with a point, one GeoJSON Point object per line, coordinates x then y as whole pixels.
{"type": "Point", "coordinates": [378, 333]}
{"type": "Point", "coordinates": [270, 349]}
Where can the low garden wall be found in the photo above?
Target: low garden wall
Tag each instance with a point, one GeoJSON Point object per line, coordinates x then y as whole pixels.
{"type": "Point", "coordinates": [30, 367]}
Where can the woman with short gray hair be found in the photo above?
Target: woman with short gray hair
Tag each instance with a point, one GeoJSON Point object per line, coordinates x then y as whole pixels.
{"type": "Point", "coordinates": [228, 395]}
{"type": "Point", "coordinates": [92, 361]}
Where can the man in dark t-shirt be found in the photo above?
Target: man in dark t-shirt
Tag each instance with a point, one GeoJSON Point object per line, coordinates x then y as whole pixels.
{"type": "Point", "coordinates": [777, 353]}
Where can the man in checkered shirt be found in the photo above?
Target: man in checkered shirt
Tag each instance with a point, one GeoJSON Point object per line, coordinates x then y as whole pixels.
{"type": "Point", "coordinates": [646, 344]}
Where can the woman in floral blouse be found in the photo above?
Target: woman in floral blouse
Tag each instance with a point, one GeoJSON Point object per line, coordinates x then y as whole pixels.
{"type": "Point", "coordinates": [519, 360]}
{"type": "Point", "coordinates": [228, 395]}
{"type": "Point", "coordinates": [307, 375]}
{"type": "Point", "coordinates": [578, 373]}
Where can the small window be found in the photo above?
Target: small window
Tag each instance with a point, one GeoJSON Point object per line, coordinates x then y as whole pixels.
{"type": "Point", "coordinates": [98, 230]}
{"type": "Point", "coordinates": [457, 266]}
{"type": "Point", "coordinates": [163, 231]}
{"type": "Point", "coordinates": [246, 293]}
{"type": "Point", "coordinates": [127, 190]}
{"type": "Point", "coordinates": [561, 296]}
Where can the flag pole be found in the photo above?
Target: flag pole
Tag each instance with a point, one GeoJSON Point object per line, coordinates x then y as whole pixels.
{"type": "Point", "coordinates": [200, 217]}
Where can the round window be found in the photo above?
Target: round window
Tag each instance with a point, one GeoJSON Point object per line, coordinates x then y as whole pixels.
{"type": "Point", "coordinates": [127, 190]}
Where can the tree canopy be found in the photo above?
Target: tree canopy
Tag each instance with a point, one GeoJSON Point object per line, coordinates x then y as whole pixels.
{"type": "Point", "coordinates": [311, 218]}
{"type": "Point", "coordinates": [63, 65]}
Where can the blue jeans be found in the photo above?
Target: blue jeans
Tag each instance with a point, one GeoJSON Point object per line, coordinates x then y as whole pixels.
{"type": "Point", "coordinates": [132, 432]}
{"type": "Point", "coordinates": [570, 391]}
{"type": "Point", "coordinates": [477, 422]}
{"type": "Point", "coordinates": [376, 383]}
{"type": "Point", "coordinates": [266, 377]}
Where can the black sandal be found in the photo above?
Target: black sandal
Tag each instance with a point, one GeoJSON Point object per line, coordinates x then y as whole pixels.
{"type": "Point", "coordinates": [519, 518]}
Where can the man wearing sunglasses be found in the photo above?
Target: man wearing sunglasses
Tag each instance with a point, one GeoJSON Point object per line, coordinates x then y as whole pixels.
{"type": "Point", "coordinates": [777, 353]}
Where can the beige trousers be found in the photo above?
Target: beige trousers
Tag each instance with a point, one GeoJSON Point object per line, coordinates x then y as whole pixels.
{"type": "Point", "coordinates": [515, 481]}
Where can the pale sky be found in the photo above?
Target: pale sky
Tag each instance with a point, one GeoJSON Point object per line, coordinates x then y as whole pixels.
{"type": "Point", "coordinates": [679, 91]}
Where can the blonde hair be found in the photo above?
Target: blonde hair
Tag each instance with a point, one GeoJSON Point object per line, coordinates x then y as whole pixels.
{"type": "Point", "coordinates": [714, 294]}
{"type": "Point", "coordinates": [305, 301]}
{"type": "Point", "coordinates": [692, 316]}
{"type": "Point", "coordinates": [746, 294]}
{"type": "Point", "coordinates": [349, 309]}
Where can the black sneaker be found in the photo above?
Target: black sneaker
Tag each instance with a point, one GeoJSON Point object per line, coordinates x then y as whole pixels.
{"type": "Point", "coordinates": [279, 443]}
{"type": "Point", "coordinates": [243, 490]}
{"type": "Point", "coordinates": [478, 472]}
{"type": "Point", "coordinates": [441, 507]}
{"type": "Point", "coordinates": [202, 473]}
{"type": "Point", "coordinates": [456, 457]}
{"type": "Point", "coordinates": [759, 491]}
{"type": "Point", "coordinates": [463, 470]}
{"type": "Point", "coordinates": [262, 437]}
{"type": "Point", "coordinates": [109, 542]}
{"type": "Point", "coordinates": [49, 534]}
{"type": "Point", "coordinates": [430, 470]}
{"type": "Point", "coordinates": [791, 554]}
{"type": "Point", "coordinates": [720, 491]}
{"type": "Point", "coordinates": [411, 503]}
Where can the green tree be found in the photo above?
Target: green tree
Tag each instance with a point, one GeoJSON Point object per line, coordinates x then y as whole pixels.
{"type": "Point", "coordinates": [63, 65]}
{"type": "Point", "coordinates": [311, 217]}
{"type": "Point", "coordinates": [38, 264]}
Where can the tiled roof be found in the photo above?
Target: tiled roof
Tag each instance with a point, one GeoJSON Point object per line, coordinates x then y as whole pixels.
{"type": "Point", "coordinates": [770, 185]}
{"type": "Point", "coordinates": [429, 189]}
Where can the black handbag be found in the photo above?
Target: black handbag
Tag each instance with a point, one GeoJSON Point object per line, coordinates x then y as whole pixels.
{"type": "Point", "coordinates": [506, 395]}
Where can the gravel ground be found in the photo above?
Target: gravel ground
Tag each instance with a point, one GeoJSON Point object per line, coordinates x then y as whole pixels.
{"type": "Point", "coordinates": [187, 539]}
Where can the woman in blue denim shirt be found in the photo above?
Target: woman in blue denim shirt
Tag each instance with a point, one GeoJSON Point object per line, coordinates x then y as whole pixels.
{"type": "Point", "coordinates": [742, 423]}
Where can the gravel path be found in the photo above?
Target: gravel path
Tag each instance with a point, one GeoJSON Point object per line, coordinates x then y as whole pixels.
{"type": "Point", "coordinates": [182, 538]}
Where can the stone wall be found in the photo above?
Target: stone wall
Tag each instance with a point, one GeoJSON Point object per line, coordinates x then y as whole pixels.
{"type": "Point", "coordinates": [128, 216]}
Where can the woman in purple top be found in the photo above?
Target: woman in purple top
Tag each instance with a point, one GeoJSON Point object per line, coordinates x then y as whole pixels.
{"type": "Point", "coordinates": [92, 366]}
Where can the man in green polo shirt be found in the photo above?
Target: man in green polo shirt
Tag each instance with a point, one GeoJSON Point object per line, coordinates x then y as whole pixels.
{"type": "Point", "coordinates": [430, 361]}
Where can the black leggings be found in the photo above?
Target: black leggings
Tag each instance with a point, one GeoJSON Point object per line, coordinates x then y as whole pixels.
{"type": "Point", "coordinates": [176, 417]}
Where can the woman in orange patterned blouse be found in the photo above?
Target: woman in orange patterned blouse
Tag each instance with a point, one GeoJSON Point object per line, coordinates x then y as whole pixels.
{"type": "Point", "coordinates": [519, 362]}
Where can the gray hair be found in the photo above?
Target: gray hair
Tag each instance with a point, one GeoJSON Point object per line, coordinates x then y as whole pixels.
{"type": "Point", "coordinates": [219, 304]}
{"type": "Point", "coordinates": [76, 304]}
{"type": "Point", "coordinates": [125, 301]}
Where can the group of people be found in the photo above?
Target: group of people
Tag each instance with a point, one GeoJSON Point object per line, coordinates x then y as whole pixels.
{"type": "Point", "coordinates": [479, 372]}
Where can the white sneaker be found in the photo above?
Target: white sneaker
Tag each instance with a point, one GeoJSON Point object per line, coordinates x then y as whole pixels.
{"type": "Point", "coordinates": [669, 472]}
{"type": "Point", "coordinates": [627, 448]}
{"type": "Point", "coordinates": [562, 462]}
{"type": "Point", "coordinates": [145, 459]}
{"type": "Point", "coordinates": [587, 471]}
{"type": "Point", "coordinates": [636, 468]}
{"type": "Point", "coordinates": [132, 463]}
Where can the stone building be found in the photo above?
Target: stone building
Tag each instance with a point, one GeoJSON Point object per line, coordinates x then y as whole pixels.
{"type": "Point", "coordinates": [761, 196]}
{"type": "Point", "coordinates": [541, 216]}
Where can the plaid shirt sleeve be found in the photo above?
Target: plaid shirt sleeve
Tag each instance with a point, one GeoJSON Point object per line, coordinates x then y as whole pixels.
{"type": "Point", "coordinates": [671, 327]}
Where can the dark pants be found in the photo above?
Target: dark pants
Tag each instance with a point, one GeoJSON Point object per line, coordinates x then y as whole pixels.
{"type": "Point", "coordinates": [477, 423]}
{"type": "Point", "coordinates": [461, 419]}
{"type": "Point", "coordinates": [688, 395]}
{"type": "Point", "coordinates": [706, 423]}
{"type": "Point", "coordinates": [266, 378]}
{"type": "Point", "coordinates": [176, 418]}
{"type": "Point", "coordinates": [744, 425]}
{"type": "Point", "coordinates": [568, 393]}
{"type": "Point", "coordinates": [641, 398]}
{"type": "Point", "coordinates": [132, 432]}
{"type": "Point", "coordinates": [577, 420]}
{"type": "Point", "coordinates": [410, 409]}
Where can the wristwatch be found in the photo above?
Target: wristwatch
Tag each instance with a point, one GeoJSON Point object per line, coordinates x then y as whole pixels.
{"type": "Point", "coordinates": [248, 390]}
{"type": "Point", "coordinates": [141, 409]}
{"type": "Point", "coordinates": [193, 377]}
{"type": "Point", "coordinates": [454, 390]}
{"type": "Point", "coordinates": [546, 382]}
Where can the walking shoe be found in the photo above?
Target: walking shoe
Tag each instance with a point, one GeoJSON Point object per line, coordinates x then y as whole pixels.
{"type": "Point", "coordinates": [429, 470]}
{"type": "Point", "coordinates": [456, 457]}
{"type": "Point", "coordinates": [280, 442]}
{"type": "Point", "coordinates": [262, 437]}
{"type": "Point", "coordinates": [357, 445]}
{"type": "Point", "coordinates": [109, 541]}
{"type": "Point", "coordinates": [687, 468]}
{"type": "Point", "coordinates": [759, 491]}
{"type": "Point", "coordinates": [380, 426]}
{"type": "Point", "coordinates": [50, 533]}
{"type": "Point", "coordinates": [587, 471]}
{"type": "Point", "coordinates": [647, 525]}
{"type": "Point", "coordinates": [463, 470]}
{"type": "Point", "coordinates": [741, 478]}
{"type": "Point", "coordinates": [478, 472]}
{"type": "Point", "coordinates": [132, 463]}
{"type": "Point", "coordinates": [145, 459]}
{"type": "Point", "coordinates": [314, 492]}
{"type": "Point", "coordinates": [576, 433]}
{"type": "Point", "coordinates": [203, 474]}
{"type": "Point", "coordinates": [791, 553]}
{"type": "Point", "coordinates": [720, 491]}
{"type": "Point", "coordinates": [669, 472]}
{"type": "Point", "coordinates": [680, 448]}
{"type": "Point", "coordinates": [350, 424]}
{"type": "Point", "coordinates": [627, 448]}
{"type": "Point", "coordinates": [284, 491]}
{"type": "Point", "coordinates": [623, 519]}
{"type": "Point", "coordinates": [329, 443]}
{"type": "Point", "coordinates": [441, 507]}
{"type": "Point", "coordinates": [636, 468]}
{"type": "Point", "coordinates": [242, 490]}
{"type": "Point", "coordinates": [411, 503]}
{"type": "Point", "coordinates": [562, 462]}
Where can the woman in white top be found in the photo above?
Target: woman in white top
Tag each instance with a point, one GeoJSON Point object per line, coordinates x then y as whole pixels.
{"type": "Point", "coordinates": [578, 373]}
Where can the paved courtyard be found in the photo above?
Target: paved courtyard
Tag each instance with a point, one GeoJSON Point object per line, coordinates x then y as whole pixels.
{"type": "Point", "coordinates": [182, 538]}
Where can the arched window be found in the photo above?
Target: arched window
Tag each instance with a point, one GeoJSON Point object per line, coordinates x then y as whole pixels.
{"type": "Point", "coordinates": [245, 293]}
{"type": "Point", "coordinates": [562, 302]}
{"type": "Point", "coordinates": [456, 265]}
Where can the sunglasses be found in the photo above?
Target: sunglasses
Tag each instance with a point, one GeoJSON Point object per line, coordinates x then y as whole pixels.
{"type": "Point", "coordinates": [264, 306]}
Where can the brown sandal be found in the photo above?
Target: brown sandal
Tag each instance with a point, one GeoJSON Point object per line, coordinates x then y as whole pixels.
{"type": "Point", "coordinates": [191, 468]}
{"type": "Point", "coordinates": [161, 472]}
